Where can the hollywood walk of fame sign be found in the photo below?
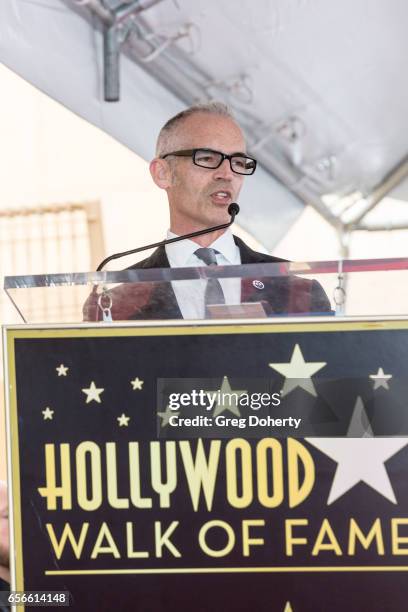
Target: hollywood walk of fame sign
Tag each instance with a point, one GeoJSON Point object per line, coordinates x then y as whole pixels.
{"type": "Point", "coordinates": [127, 509]}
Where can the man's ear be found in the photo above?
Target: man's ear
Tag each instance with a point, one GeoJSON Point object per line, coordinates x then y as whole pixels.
{"type": "Point", "coordinates": [160, 171]}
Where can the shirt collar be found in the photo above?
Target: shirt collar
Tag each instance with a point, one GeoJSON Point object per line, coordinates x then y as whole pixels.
{"type": "Point", "coordinates": [181, 254]}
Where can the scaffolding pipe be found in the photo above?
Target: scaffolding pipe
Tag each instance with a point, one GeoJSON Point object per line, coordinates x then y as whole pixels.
{"type": "Point", "coordinates": [98, 9]}
{"type": "Point", "coordinates": [111, 53]}
{"type": "Point", "coordinates": [108, 16]}
{"type": "Point", "coordinates": [115, 29]}
{"type": "Point", "coordinates": [382, 227]}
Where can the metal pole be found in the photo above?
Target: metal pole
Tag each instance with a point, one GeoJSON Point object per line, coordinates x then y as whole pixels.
{"type": "Point", "coordinates": [111, 53]}
{"type": "Point", "coordinates": [115, 29]}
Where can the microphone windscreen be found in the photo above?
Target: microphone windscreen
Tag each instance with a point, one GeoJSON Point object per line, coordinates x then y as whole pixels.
{"type": "Point", "coordinates": [233, 209]}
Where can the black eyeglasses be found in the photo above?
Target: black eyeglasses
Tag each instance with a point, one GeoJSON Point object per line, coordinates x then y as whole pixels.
{"type": "Point", "coordinates": [207, 158]}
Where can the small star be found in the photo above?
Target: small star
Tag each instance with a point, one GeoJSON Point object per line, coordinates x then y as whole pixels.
{"type": "Point", "coordinates": [298, 372]}
{"type": "Point", "coordinates": [92, 393]}
{"type": "Point", "coordinates": [137, 384]}
{"type": "Point", "coordinates": [123, 420]}
{"type": "Point", "coordinates": [232, 396]}
{"type": "Point", "coordinates": [62, 370]}
{"type": "Point", "coordinates": [380, 379]}
{"type": "Point", "coordinates": [47, 413]}
{"type": "Point", "coordinates": [165, 416]}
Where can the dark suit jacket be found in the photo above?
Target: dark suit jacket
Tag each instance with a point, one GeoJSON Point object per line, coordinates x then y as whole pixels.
{"type": "Point", "coordinates": [279, 295]}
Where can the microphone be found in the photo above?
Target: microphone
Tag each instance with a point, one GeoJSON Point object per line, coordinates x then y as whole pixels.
{"type": "Point", "coordinates": [233, 210]}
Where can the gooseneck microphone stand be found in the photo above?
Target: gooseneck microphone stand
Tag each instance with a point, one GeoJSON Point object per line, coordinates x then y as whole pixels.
{"type": "Point", "coordinates": [233, 210]}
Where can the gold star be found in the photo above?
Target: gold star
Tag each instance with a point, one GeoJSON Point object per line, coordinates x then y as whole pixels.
{"type": "Point", "coordinates": [47, 413]}
{"type": "Point", "coordinates": [92, 393]}
{"type": "Point", "coordinates": [380, 379]}
{"type": "Point", "coordinates": [231, 396]}
{"type": "Point", "coordinates": [298, 372]}
{"type": "Point", "coordinates": [165, 416]}
{"type": "Point", "coordinates": [62, 370]}
{"type": "Point", "coordinates": [123, 420]}
{"type": "Point", "coordinates": [137, 384]}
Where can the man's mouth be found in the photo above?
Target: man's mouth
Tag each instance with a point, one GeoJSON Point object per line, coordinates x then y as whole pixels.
{"type": "Point", "coordinates": [221, 196]}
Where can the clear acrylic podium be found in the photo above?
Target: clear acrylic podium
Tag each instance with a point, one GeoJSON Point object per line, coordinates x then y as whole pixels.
{"type": "Point", "coordinates": [354, 288]}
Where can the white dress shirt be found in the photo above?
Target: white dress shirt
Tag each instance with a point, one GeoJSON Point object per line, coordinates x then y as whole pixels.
{"type": "Point", "coordinates": [190, 293]}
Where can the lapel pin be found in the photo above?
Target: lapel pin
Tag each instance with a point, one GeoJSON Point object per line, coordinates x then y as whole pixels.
{"type": "Point", "coordinates": [258, 284]}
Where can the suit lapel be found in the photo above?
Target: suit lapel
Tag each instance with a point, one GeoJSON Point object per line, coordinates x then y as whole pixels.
{"type": "Point", "coordinates": [248, 256]}
{"type": "Point", "coordinates": [162, 305]}
{"type": "Point", "coordinates": [163, 302]}
{"type": "Point", "coordinates": [158, 259]}
{"type": "Point", "coordinates": [250, 290]}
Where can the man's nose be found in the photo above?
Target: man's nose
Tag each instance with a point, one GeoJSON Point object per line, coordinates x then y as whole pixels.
{"type": "Point", "coordinates": [224, 171]}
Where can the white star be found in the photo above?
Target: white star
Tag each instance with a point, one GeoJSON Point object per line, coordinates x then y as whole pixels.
{"type": "Point", "coordinates": [360, 460]}
{"type": "Point", "coordinates": [165, 416]}
{"type": "Point", "coordinates": [137, 384]}
{"type": "Point", "coordinates": [380, 379]}
{"type": "Point", "coordinates": [298, 372]}
{"type": "Point", "coordinates": [123, 420]}
{"type": "Point", "coordinates": [92, 393]}
{"type": "Point", "coordinates": [230, 402]}
{"type": "Point", "coordinates": [62, 370]}
{"type": "Point", "coordinates": [47, 414]}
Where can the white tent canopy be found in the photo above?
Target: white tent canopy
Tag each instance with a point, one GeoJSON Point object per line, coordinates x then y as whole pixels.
{"type": "Point", "coordinates": [319, 87]}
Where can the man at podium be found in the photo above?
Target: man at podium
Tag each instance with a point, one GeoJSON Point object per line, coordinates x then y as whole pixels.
{"type": "Point", "coordinates": [201, 163]}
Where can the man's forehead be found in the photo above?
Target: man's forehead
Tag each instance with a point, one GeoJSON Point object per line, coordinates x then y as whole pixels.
{"type": "Point", "coordinates": [211, 131]}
